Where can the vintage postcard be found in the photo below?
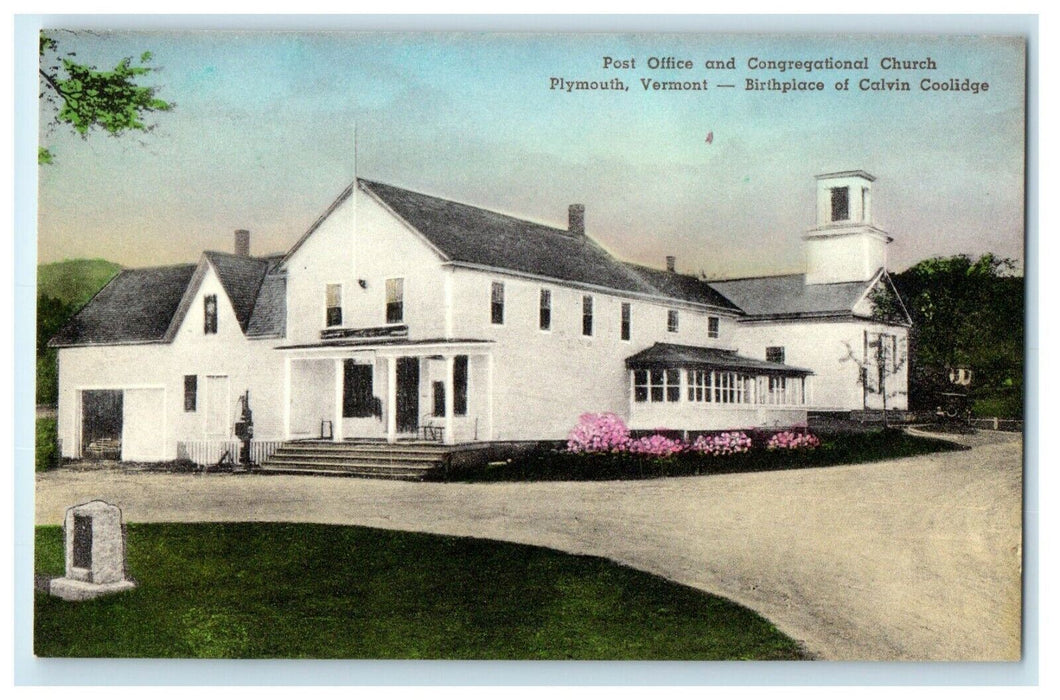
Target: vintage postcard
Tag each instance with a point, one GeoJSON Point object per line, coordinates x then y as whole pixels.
{"type": "Point", "coordinates": [530, 346]}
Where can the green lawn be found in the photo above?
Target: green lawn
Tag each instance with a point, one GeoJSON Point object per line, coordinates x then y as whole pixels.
{"type": "Point", "coordinates": [246, 590]}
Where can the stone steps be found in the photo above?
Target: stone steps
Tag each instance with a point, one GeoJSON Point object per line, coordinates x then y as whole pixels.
{"type": "Point", "coordinates": [405, 461]}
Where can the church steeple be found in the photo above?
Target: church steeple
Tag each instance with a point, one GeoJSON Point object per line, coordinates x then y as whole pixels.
{"type": "Point", "coordinates": [845, 246]}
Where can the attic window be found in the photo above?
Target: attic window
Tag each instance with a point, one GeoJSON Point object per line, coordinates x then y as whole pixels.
{"type": "Point", "coordinates": [840, 203]}
{"type": "Point", "coordinates": [209, 313]}
{"type": "Point", "coordinates": [333, 302]}
{"type": "Point", "coordinates": [497, 303]}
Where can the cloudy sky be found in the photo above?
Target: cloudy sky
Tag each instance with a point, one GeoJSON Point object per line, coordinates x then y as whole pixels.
{"type": "Point", "coordinates": [262, 137]}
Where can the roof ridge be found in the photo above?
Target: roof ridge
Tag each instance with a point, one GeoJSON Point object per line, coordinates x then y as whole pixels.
{"type": "Point", "coordinates": [755, 277]}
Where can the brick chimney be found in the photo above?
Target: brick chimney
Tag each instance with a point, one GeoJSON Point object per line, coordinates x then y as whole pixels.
{"type": "Point", "coordinates": [576, 219]}
{"type": "Point", "coordinates": [671, 263]}
{"type": "Point", "coordinates": [242, 248]}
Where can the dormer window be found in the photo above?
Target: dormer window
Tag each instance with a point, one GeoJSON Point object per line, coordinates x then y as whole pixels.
{"type": "Point", "coordinates": [840, 204]}
{"type": "Point", "coordinates": [333, 301]}
{"type": "Point", "coordinates": [209, 314]}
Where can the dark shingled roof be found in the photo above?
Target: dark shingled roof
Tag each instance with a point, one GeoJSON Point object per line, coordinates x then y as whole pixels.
{"type": "Point", "coordinates": [134, 307]}
{"type": "Point", "coordinates": [789, 295]}
{"type": "Point", "coordinates": [669, 355]}
{"type": "Point", "coordinates": [269, 318]}
{"type": "Point", "coordinates": [241, 278]}
{"type": "Point", "coordinates": [468, 234]}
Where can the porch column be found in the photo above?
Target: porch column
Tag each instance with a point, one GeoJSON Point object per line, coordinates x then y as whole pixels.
{"type": "Point", "coordinates": [391, 399]}
{"type": "Point", "coordinates": [449, 365]}
{"type": "Point", "coordinates": [336, 421]}
{"type": "Point", "coordinates": [489, 395]}
{"type": "Point", "coordinates": [286, 398]}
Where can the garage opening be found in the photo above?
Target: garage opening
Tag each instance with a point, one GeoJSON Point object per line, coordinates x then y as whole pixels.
{"type": "Point", "coordinates": [101, 424]}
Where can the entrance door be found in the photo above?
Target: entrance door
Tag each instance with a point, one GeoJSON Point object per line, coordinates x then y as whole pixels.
{"type": "Point", "coordinates": [408, 394]}
{"type": "Point", "coordinates": [101, 424]}
{"type": "Point", "coordinates": [217, 413]}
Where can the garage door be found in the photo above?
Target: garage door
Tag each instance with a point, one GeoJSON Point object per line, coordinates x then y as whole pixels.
{"type": "Point", "coordinates": [144, 425]}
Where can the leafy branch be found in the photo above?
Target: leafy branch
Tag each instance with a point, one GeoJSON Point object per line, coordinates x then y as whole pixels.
{"type": "Point", "coordinates": [85, 98]}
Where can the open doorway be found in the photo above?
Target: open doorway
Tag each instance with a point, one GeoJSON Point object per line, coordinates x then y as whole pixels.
{"type": "Point", "coordinates": [101, 424]}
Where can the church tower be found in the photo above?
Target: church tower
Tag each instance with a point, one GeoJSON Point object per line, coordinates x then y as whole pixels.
{"type": "Point", "coordinates": [844, 246]}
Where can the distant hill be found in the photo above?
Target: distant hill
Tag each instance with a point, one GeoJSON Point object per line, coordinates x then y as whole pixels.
{"type": "Point", "coordinates": [74, 282]}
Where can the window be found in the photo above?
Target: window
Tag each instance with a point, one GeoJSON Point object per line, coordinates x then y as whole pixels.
{"type": "Point", "coordinates": [357, 398]}
{"type": "Point", "coordinates": [712, 327]}
{"type": "Point", "coordinates": [671, 320]}
{"type": "Point", "coordinates": [840, 203]}
{"type": "Point", "coordinates": [544, 313]}
{"type": "Point", "coordinates": [775, 354]}
{"type": "Point", "coordinates": [656, 385]}
{"type": "Point", "coordinates": [395, 300]}
{"type": "Point", "coordinates": [209, 314]}
{"type": "Point", "coordinates": [778, 390]}
{"type": "Point", "coordinates": [191, 391]}
{"type": "Point", "coordinates": [587, 315]}
{"type": "Point", "coordinates": [626, 321]}
{"type": "Point", "coordinates": [699, 385]}
{"type": "Point", "coordinates": [730, 387]}
{"type": "Point", "coordinates": [333, 302]}
{"type": "Point", "coordinates": [460, 385]}
{"type": "Point", "coordinates": [497, 303]}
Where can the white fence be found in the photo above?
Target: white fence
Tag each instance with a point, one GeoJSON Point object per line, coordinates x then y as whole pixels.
{"type": "Point", "coordinates": [206, 452]}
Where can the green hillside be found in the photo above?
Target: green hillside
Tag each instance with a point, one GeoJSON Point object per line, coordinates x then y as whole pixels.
{"type": "Point", "coordinates": [62, 289]}
{"type": "Point", "coordinates": [74, 282]}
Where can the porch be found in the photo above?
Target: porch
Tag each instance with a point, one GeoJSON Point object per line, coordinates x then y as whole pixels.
{"type": "Point", "coordinates": [689, 388]}
{"type": "Point", "coordinates": [391, 390]}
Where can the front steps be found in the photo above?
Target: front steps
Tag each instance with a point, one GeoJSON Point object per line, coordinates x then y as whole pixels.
{"type": "Point", "coordinates": [408, 461]}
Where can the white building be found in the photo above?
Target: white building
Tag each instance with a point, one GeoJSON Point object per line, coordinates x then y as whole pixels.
{"type": "Point", "coordinates": [398, 311]}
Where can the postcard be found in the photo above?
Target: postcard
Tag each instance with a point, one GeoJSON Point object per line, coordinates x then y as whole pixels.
{"type": "Point", "coordinates": [530, 346]}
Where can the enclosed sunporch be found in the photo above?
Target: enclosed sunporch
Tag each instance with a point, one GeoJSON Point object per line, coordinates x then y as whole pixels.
{"type": "Point", "coordinates": [437, 391]}
{"type": "Point", "coordinates": [689, 388]}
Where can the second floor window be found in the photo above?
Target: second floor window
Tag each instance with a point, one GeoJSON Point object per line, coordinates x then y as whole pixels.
{"type": "Point", "coordinates": [587, 315]}
{"type": "Point", "coordinates": [333, 302]}
{"type": "Point", "coordinates": [671, 320]}
{"type": "Point", "coordinates": [544, 314]}
{"type": "Point", "coordinates": [209, 314]}
{"type": "Point", "coordinates": [775, 353]}
{"type": "Point", "coordinates": [497, 303]}
{"type": "Point", "coordinates": [626, 320]}
{"type": "Point", "coordinates": [712, 327]}
{"type": "Point", "coordinates": [395, 300]}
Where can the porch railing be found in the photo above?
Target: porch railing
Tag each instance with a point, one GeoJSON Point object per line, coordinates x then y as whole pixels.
{"type": "Point", "coordinates": [205, 452]}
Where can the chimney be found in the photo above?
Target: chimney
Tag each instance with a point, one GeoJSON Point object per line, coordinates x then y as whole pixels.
{"type": "Point", "coordinates": [576, 219]}
{"type": "Point", "coordinates": [671, 262]}
{"type": "Point", "coordinates": [242, 243]}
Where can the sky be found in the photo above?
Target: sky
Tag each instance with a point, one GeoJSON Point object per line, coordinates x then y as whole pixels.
{"type": "Point", "coordinates": [262, 137]}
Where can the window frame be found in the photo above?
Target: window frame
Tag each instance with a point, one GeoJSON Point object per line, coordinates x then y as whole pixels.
{"type": "Point", "coordinates": [399, 304]}
{"type": "Point", "coordinates": [713, 326]}
{"type": "Point", "coordinates": [209, 314]}
{"type": "Point", "coordinates": [497, 303]}
{"type": "Point", "coordinates": [673, 321]}
{"type": "Point", "coordinates": [332, 321]}
{"type": "Point", "coordinates": [587, 315]}
{"type": "Point", "coordinates": [191, 391]}
{"type": "Point", "coordinates": [626, 321]}
{"type": "Point", "coordinates": [835, 201]}
{"type": "Point", "coordinates": [544, 310]}
{"type": "Point", "coordinates": [773, 351]}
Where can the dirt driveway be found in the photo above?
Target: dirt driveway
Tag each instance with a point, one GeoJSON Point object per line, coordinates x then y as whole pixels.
{"type": "Point", "coordinates": [914, 559]}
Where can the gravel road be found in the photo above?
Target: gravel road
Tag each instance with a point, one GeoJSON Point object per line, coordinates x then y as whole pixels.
{"type": "Point", "coordinates": [916, 559]}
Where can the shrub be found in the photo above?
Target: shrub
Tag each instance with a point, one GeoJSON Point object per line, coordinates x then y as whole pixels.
{"type": "Point", "coordinates": [657, 446]}
{"type": "Point", "coordinates": [722, 444]}
{"type": "Point", "coordinates": [788, 440]}
{"type": "Point", "coordinates": [598, 432]}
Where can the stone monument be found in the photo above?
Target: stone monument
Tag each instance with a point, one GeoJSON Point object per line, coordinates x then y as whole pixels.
{"type": "Point", "coordinates": [95, 553]}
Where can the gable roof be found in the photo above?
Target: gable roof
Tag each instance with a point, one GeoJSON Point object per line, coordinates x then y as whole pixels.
{"type": "Point", "coordinates": [134, 307]}
{"type": "Point", "coordinates": [147, 305]}
{"type": "Point", "coordinates": [789, 296]}
{"type": "Point", "coordinates": [670, 355]}
{"type": "Point", "coordinates": [465, 234]}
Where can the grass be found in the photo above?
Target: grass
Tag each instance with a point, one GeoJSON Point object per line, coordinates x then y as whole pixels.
{"type": "Point", "coordinates": [47, 442]}
{"type": "Point", "coordinates": [261, 590]}
{"type": "Point", "coordinates": [845, 448]}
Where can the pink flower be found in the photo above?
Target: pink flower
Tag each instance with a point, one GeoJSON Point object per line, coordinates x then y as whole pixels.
{"type": "Point", "coordinates": [788, 440]}
{"type": "Point", "coordinates": [722, 444]}
{"type": "Point", "coordinates": [598, 432]}
{"type": "Point", "coordinates": [657, 446]}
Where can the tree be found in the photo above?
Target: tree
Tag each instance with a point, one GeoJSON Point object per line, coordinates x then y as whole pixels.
{"type": "Point", "coordinates": [966, 313]}
{"type": "Point", "coordinates": [85, 98]}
